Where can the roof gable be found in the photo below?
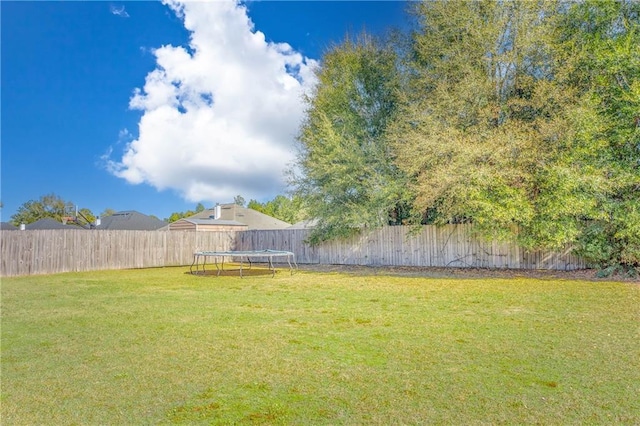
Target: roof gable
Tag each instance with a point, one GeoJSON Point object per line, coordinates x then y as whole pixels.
{"type": "Point", "coordinates": [130, 220]}
{"type": "Point", "coordinates": [221, 222]}
{"type": "Point", "coordinates": [252, 218]}
{"type": "Point", "coordinates": [6, 226]}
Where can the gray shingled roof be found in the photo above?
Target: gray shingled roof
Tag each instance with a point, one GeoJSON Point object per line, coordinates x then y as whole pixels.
{"type": "Point", "coordinates": [305, 224]}
{"type": "Point", "coordinates": [6, 226]}
{"type": "Point", "coordinates": [252, 218]}
{"type": "Point", "coordinates": [48, 223]}
{"type": "Point", "coordinates": [130, 220]}
{"type": "Point", "coordinates": [221, 222]}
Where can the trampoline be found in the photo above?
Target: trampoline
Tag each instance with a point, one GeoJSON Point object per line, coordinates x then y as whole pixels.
{"type": "Point", "coordinates": [200, 259]}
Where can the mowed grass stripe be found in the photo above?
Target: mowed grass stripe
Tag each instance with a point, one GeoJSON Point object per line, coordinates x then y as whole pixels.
{"type": "Point", "coordinates": [162, 346]}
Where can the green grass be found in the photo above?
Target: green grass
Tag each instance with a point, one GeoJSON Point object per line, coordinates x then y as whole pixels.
{"type": "Point", "coordinates": [159, 346]}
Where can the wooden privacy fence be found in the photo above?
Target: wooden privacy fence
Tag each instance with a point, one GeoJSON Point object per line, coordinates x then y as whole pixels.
{"type": "Point", "coordinates": [51, 251]}
{"type": "Point", "coordinates": [445, 246]}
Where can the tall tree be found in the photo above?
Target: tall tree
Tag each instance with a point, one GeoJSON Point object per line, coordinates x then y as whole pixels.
{"type": "Point", "coordinates": [345, 172]}
{"type": "Point", "coordinates": [473, 108]}
{"type": "Point", "coordinates": [284, 208]}
{"type": "Point", "coordinates": [47, 206]}
{"type": "Point", "coordinates": [599, 49]}
{"type": "Point", "coordinates": [519, 117]}
{"type": "Point", "coordinates": [107, 212]}
{"type": "Point", "coordinates": [181, 215]}
{"type": "Point", "coordinates": [85, 217]}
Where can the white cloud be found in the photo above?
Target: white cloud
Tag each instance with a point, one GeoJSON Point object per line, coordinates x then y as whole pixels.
{"type": "Point", "coordinates": [219, 119]}
{"type": "Point", "coordinates": [119, 11]}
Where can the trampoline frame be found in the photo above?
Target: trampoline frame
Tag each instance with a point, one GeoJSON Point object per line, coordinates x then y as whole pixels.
{"type": "Point", "coordinates": [199, 256]}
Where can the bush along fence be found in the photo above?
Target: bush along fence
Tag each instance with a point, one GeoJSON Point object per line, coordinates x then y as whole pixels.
{"type": "Point", "coordinates": [52, 251]}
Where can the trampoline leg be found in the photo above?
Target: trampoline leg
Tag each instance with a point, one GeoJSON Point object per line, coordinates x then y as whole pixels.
{"type": "Point", "coordinates": [294, 262]}
{"type": "Point", "coordinates": [271, 268]}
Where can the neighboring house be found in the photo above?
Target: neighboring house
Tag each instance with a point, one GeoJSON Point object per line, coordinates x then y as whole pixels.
{"type": "Point", "coordinates": [130, 220]}
{"type": "Point", "coordinates": [305, 224]}
{"type": "Point", "coordinates": [49, 223]}
{"type": "Point", "coordinates": [189, 224]}
{"type": "Point", "coordinates": [232, 212]}
{"type": "Point", "coordinates": [6, 226]}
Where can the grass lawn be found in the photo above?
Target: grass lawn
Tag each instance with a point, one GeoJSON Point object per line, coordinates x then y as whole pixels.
{"type": "Point", "coordinates": [160, 346]}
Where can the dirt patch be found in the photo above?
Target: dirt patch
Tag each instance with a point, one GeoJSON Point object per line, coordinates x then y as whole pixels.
{"type": "Point", "coordinates": [432, 272]}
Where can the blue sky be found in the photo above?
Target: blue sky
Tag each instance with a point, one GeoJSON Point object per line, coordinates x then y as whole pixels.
{"type": "Point", "coordinates": [155, 107]}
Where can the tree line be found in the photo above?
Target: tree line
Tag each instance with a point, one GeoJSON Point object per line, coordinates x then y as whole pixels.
{"type": "Point", "coordinates": [522, 118]}
{"type": "Point", "coordinates": [55, 207]}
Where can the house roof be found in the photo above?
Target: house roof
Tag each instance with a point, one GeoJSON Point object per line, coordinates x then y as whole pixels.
{"type": "Point", "coordinates": [49, 223]}
{"type": "Point", "coordinates": [6, 226]}
{"type": "Point", "coordinates": [252, 218]}
{"type": "Point", "coordinates": [305, 224]}
{"type": "Point", "coordinates": [130, 220]}
{"type": "Point", "coordinates": [209, 221]}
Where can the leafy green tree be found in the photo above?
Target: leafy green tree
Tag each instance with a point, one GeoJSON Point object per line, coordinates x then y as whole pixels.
{"type": "Point", "coordinates": [519, 117]}
{"type": "Point", "coordinates": [107, 212]}
{"type": "Point", "coordinates": [175, 216]}
{"type": "Point", "coordinates": [475, 106]}
{"type": "Point", "coordinates": [47, 206]}
{"type": "Point", "coordinates": [85, 217]}
{"type": "Point", "coordinates": [181, 215]}
{"type": "Point", "coordinates": [239, 200]}
{"type": "Point", "coordinates": [598, 45]}
{"type": "Point", "coordinates": [344, 171]}
{"type": "Point", "coordinates": [284, 208]}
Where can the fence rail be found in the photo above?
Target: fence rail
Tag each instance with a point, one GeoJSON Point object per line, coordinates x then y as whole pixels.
{"type": "Point", "coordinates": [52, 251]}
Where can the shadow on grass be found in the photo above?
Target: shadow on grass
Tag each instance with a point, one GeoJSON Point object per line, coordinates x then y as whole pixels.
{"type": "Point", "coordinates": [253, 272]}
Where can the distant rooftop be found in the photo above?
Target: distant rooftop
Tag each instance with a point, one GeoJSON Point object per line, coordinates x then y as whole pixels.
{"type": "Point", "coordinates": [253, 219]}
{"type": "Point", "coordinates": [130, 220]}
{"type": "Point", "coordinates": [6, 226]}
{"type": "Point", "coordinates": [49, 223]}
{"type": "Point", "coordinates": [211, 221]}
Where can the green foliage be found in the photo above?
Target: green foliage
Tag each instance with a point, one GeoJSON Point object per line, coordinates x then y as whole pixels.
{"type": "Point", "coordinates": [181, 215]}
{"type": "Point", "coordinates": [107, 212]}
{"type": "Point", "coordinates": [519, 117]}
{"type": "Point", "coordinates": [345, 172]}
{"type": "Point", "coordinates": [481, 121]}
{"type": "Point", "coordinates": [284, 208]}
{"type": "Point", "coordinates": [47, 206]}
{"type": "Point", "coordinates": [85, 216]}
{"type": "Point", "coordinates": [239, 200]}
{"type": "Point", "coordinates": [599, 47]}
